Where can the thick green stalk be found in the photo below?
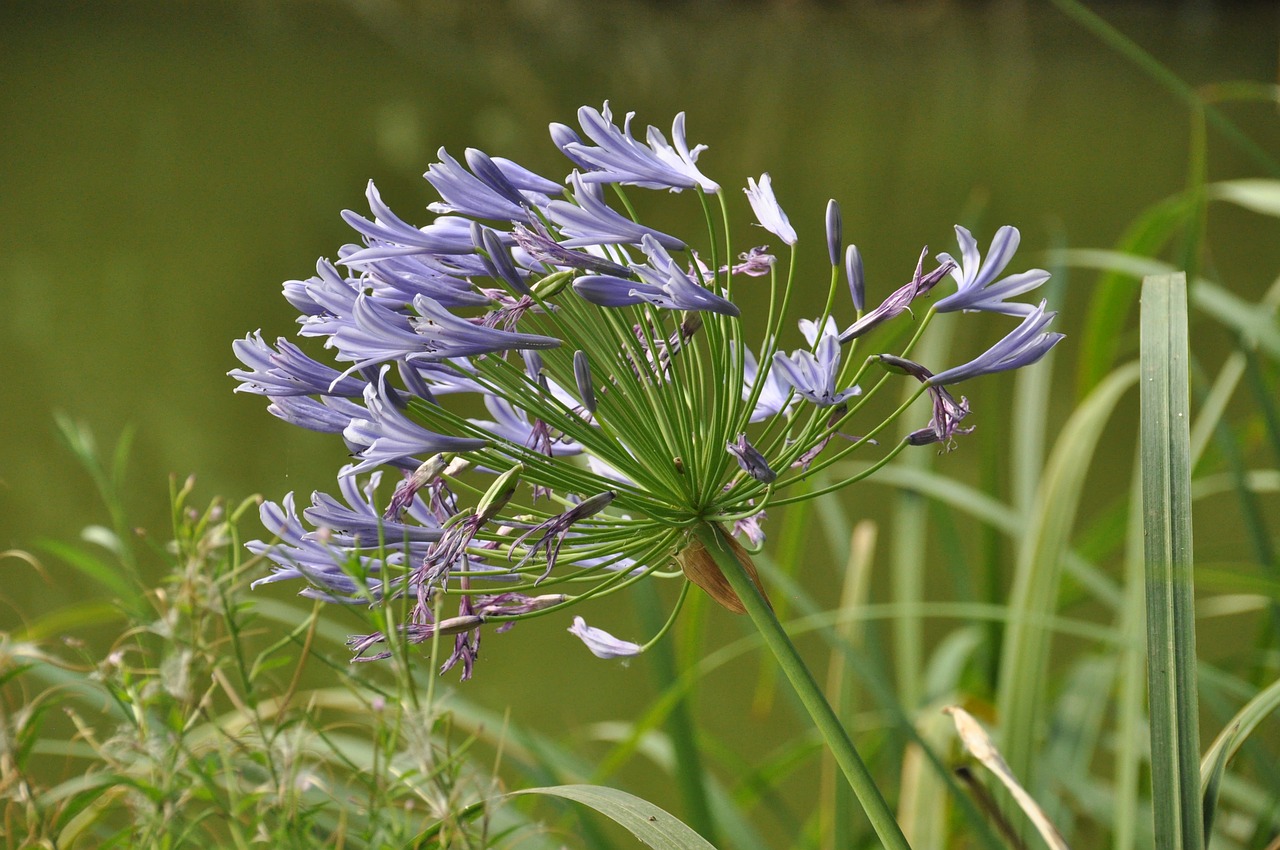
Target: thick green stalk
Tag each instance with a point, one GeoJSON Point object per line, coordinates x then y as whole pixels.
{"type": "Point", "coordinates": [714, 538]}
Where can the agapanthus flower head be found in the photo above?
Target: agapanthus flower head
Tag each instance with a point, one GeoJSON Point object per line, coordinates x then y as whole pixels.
{"type": "Point", "coordinates": [631, 403]}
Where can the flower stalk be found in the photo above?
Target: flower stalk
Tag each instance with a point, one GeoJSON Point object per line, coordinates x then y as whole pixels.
{"type": "Point", "coordinates": [719, 546]}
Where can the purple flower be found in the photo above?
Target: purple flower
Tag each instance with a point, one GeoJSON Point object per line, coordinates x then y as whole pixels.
{"type": "Point", "coordinates": [945, 422]}
{"type": "Point", "coordinates": [976, 278]}
{"type": "Point", "coordinates": [375, 334]}
{"type": "Point", "coordinates": [751, 461]}
{"type": "Point", "coordinates": [900, 300]}
{"type": "Point", "coordinates": [590, 221]}
{"type": "Point", "coordinates": [662, 284]}
{"type": "Point", "coordinates": [756, 262]}
{"type": "Point", "coordinates": [389, 235]}
{"type": "Point", "coordinates": [414, 633]}
{"type": "Point", "coordinates": [330, 415]}
{"type": "Point", "coordinates": [814, 377]}
{"type": "Point", "coordinates": [541, 247]}
{"type": "Point", "coordinates": [751, 528]}
{"type": "Point", "coordinates": [390, 437]}
{"type": "Point", "coordinates": [512, 424]}
{"type": "Point", "coordinates": [1023, 346]}
{"type": "Point", "coordinates": [775, 396]}
{"type": "Point", "coordinates": [601, 643]}
{"type": "Point", "coordinates": [498, 260]}
{"type": "Point", "coordinates": [551, 533]}
{"type": "Point", "coordinates": [286, 371]}
{"type": "Point", "coordinates": [298, 553]}
{"type": "Point", "coordinates": [582, 377]}
{"type": "Point", "coordinates": [947, 412]}
{"type": "Point", "coordinates": [616, 157]}
{"type": "Point", "coordinates": [466, 194]}
{"type": "Point", "coordinates": [359, 523]}
{"type": "Point", "coordinates": [768, 213]}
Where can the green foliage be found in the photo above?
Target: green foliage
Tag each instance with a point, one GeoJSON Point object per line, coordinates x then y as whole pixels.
{"type": "Point", "coordinates": [195, 730]}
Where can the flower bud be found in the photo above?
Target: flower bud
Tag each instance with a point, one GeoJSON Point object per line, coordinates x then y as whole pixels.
{"type": "Point", "coordinates": [835, 235]}
{"type": "Point", "coordinates": [582, 374]}
{"type": "Point", "coordinates": [853, 271]}
{"type": "Point", "coordinates": [553, 283]}
{"type": "Point", "coordinates": [499, 493]}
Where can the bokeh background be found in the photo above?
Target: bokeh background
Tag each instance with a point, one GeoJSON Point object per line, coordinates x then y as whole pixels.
{"type": "Point", "coordinates": [165, 166]}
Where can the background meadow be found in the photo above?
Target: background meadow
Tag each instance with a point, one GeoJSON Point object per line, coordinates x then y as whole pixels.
{"type": "Point", "coordinates": [164, 168]}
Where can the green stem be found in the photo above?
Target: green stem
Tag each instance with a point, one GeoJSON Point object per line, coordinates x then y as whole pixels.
{"type": "Point", "coordinates": [714, 538]}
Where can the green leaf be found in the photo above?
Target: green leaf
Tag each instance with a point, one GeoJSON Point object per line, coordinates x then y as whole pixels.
{"type": "Point", "coordinates": [1042, 549]}
{"type": "Point", "coordinates": [1258, 194]}
{"type": "Point", "coordinates": [1214, 764]}
{"type": "Point", "coordinates": [653, 826]}
{"type": "Point", "coordinates": [110, 576]}
{"type": "Point", "coordinates": [1165, 454]}
{"type": "Point", "coordinates": [1255, 323]}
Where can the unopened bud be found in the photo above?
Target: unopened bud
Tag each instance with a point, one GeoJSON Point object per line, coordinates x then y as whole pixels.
{"type": "Point", "coordinates": [553, 283]}
{"type": "Point", "coordinates": [835, 228]}
{"type": "Point", "coordinates": [582, 375]}
{"type": "Point", "coordinates": [853, 271]}
{"type": "Point", "coordinates": [499, 493]}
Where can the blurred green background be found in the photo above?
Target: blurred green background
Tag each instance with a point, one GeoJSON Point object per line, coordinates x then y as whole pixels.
{"type": "Point", "coordinates": [164, 167]}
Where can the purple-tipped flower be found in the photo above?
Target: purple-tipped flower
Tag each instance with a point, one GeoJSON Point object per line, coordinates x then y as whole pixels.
{"type": "Point", "coordinates": [900, 301]}
{"type": "Point", "coordinates": [617, 157]}
{"type": "Point", "coordinates": [1024, 345]}
{"type": "Point", "coordinates": [814, 377]}
{"type": "Point", "coordinates": [976, 278]}
{"type": "Point", "coordinates": [551, 533]}
{"type": "Point", "coordinates": [662, 284]}
{"type": "Point", "coordinates": [463, 193]}
{"type": "Point", "coordinates": [375, 335]}
{"type": "Point", "coordinates": [500, 261]}
{"type": "Point", "coordinates": [601, 643]}
{"type": "Point", "coordinates": [329, 415]}
{"type": "Point", "coordinates": [389, 235]}
{"type": "Point", "coordinates": [757, 262]}
{"type": "Point", "coordinates": [944, 425]}
{"type": "Point", "coordinates": [835, 232]}
{"type": "Point", "coordinates": [751, 461]}
{"type": "Point", "coordinates": [768, 213]}
{"type": "Point", "coordinates": [286, 371]}
{"type": "Point", "coordinates": [390, 437]}
{"type": "Point", "coordinates": [541, 247]}
{"type": "Point", "coordinates": [591, 221]}
{"type": "Point", "coordinates": [853, 273]}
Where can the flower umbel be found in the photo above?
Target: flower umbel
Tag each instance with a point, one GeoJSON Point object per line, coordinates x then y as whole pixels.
{"type": "Point", "coordinates": [627, 413]}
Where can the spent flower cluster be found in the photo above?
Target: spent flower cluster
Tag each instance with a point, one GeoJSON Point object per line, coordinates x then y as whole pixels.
{"type": "Point", "coordinates": [563, 395]}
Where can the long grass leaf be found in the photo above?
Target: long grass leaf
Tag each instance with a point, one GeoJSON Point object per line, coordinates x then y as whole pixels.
{"type": "Point", "coordinates": [1214, 764]}
{"type": "Point", "coordinates": [1038, 571]}
{"type": "Point", "coordinates": [1165, 453]}
{"type": "Point", "coordinates": [652, 825]}
{"type": "Point", "coordinates": [1131, 715]}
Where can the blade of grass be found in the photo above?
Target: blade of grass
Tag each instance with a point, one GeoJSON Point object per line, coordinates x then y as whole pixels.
{"type": "Point", "coordinates": [1166, 493]}
{"type": "Point", "coordinates": [1214, 764]}
{"type": "Point", "coordinates": [1131, 716]}
{"type": "Point", "coordinates": [690, 779]}
{"type": "Point", "coordinates": [837, 810]}
{"type": "Point", "coordinates": [1038, 573]}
